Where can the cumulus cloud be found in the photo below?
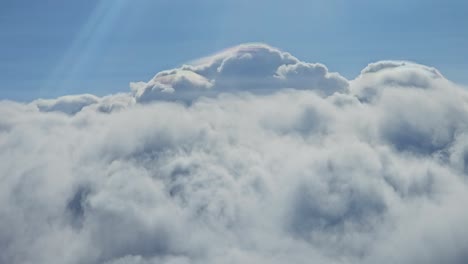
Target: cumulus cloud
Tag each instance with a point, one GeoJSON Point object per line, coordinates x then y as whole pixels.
{"type": "Point", "coordinates": [256, 68]}
{"type": "Point", "coordinates": [251, 174]}
{"type": "Point", "coordinates": [376, 76]}
{"type": "Point", "coordinates": [72, 104]}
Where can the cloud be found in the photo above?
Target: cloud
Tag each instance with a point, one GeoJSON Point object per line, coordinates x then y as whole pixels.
{"type": "Point", "coordinates": [70, 104]}
{"type": "Point", "coordinates": [73, 104]}
{"type": "Point", "coordinates": [315, 173]}
{"type": "Point", "coordinates": [255, 68]}
{"type": "Point", "coordinates": [376, 76]}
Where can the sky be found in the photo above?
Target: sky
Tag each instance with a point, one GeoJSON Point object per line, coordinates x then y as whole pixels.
{"type": "Point", "coordinates": [52, 48]}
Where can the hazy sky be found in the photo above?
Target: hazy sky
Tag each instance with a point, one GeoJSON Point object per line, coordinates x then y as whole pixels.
{"type": "Point", "coordinates": [57, 47]}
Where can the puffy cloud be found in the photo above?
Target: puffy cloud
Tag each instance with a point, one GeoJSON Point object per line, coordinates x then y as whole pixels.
{"type": "Point", "coordinates": [70, 104]}
{"type": "Point", "coordinates": [255, 68]}
{"type": "Point", "coordinates": [290, 175]}
{"type": "Point", "coordinates": [402, 74]}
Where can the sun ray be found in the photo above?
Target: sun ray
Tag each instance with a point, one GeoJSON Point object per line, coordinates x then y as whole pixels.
{"type": "Point", "coordinates": [88, 42]}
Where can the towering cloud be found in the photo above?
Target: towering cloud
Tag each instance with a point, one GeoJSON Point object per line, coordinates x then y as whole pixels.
{"type": "Point", "coordinates": [256, 68]}
{"type": "Point", "coordinates": [274, 160]}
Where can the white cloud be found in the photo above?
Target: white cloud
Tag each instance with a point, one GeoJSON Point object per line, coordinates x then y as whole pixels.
{"type": "Point", "coordinates": [256, 68]}
{"type": "Point", "coordinates": [73, 104]}
{"type": "Point", "coordinates": [320, 173]}
{"type": "Point", "coordinates": [70, 104]}
{"type": "Point", "coordinates": [403, 74]}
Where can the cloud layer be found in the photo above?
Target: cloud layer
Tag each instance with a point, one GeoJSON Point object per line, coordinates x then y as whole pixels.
{"type": "Point", "coordinates": [247, 156]}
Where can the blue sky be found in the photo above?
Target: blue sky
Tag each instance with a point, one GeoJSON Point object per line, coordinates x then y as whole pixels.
{"type": "Point", "coordinates": [56, 47]}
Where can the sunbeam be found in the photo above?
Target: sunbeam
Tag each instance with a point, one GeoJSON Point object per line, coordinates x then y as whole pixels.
{"type": "Point", "coordinates": [88, 43]}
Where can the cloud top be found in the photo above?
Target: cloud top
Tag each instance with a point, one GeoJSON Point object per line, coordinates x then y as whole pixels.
{"type": "Point", "coordinates": [256, 68]}
{"type": "Point", "coordinates": [379, 75]}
